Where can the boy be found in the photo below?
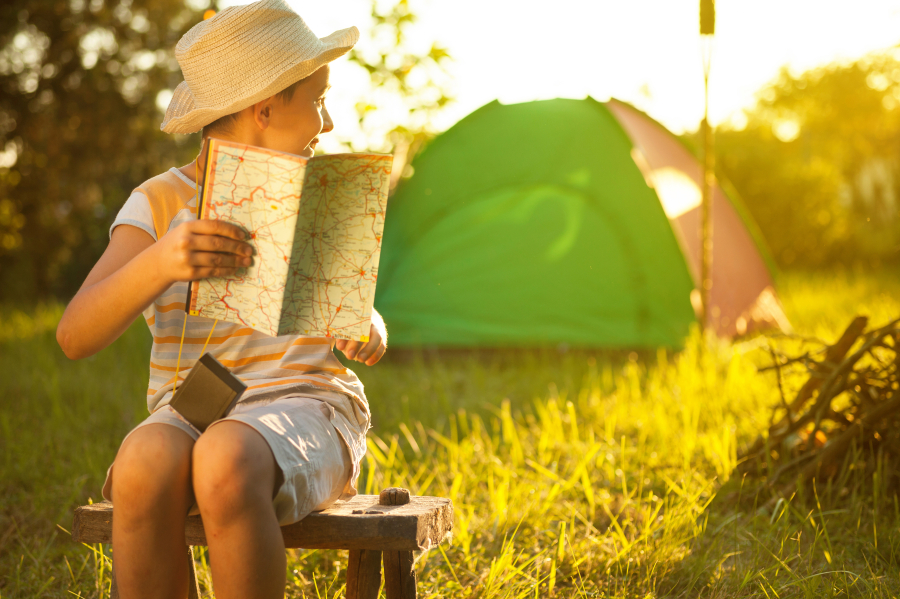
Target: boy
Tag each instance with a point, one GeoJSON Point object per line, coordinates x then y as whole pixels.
{"type": "Point", "coordinates": [254, 74]}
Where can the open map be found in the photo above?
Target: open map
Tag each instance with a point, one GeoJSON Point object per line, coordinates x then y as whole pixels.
{"type": "Point", "coordinates": [316, 226]}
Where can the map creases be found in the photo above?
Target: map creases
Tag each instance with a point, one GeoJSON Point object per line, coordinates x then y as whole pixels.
{"type": "Point", "coordinates": [316, 227]}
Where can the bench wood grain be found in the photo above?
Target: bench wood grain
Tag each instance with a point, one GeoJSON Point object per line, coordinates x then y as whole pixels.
{"type": "Point", "coordinates": [374, 533]}
{"type": "Point", "coordinates": [358, 523]}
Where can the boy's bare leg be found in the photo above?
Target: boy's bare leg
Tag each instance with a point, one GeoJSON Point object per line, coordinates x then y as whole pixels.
{"type": "Point", "coordinates": [151, 491]}
{"type": "Point", "coordinates": [234, 479]}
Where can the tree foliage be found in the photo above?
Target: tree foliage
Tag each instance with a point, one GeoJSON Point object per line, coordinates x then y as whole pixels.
{"type": "Point", "coordinates": [408, 87]}
{"type": "Point", "coordinates": [79, 128]}
{"type": "Point", "coordinates": [79, 120]}
{"type": "Point", "coordinates": [818, 162]}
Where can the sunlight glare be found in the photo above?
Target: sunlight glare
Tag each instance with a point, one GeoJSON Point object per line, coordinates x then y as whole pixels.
{"type": "Point", "coordinates": [677, 192]}
{"type": "Point", "coordinates": [646, 52]}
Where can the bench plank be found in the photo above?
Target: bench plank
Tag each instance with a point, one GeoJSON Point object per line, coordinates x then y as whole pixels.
{"type": "Point", "coordinates": [357, 523]}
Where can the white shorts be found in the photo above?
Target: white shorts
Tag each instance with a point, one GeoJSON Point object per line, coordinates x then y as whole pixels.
{"type": "Point", "coordinates": [314, 459]}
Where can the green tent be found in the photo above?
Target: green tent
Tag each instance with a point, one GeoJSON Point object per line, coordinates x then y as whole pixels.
{"type": "Point", "coordinates": [533, 224]}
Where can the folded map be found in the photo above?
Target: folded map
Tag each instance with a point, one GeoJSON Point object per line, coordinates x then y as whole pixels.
{"type": "Point", "coordinates": [315, 225]}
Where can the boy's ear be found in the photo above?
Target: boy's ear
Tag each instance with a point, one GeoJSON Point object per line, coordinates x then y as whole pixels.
{"type": "Point", "coordinates": [262, 113]}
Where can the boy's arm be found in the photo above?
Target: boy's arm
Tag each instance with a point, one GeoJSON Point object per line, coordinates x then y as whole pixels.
{"type": "Point", "coordinates": [134, 270]}
{"type": "Point", "coordinates": [368, 353]}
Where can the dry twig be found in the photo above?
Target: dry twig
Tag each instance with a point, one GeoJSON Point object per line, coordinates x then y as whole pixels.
{"type": "Point", "coordinates": [851, 395]}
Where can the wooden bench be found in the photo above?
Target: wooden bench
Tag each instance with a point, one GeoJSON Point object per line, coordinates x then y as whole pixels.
{"type": "Point", "coordinates": [376, 529]}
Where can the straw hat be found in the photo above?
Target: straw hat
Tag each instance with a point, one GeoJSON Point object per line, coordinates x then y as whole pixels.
{"type": "Point", "coordinates": [242, 55]}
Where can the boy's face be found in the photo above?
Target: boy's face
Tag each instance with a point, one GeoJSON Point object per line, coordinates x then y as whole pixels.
{"type": "Point", "coordinates": [294, 126]}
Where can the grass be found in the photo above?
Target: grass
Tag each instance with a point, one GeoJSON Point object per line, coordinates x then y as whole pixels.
{"type": "Point", "coordinates": [576, 474]}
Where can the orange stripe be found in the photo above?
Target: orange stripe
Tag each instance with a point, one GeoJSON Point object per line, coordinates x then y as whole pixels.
{"type": "Point", "coordinates": [275, 358]}
{"type": "Point", "coordinates": [198, 340]}
{"type": "Point", "coordinates": [252, 360]}
{"type": "Point", "coordinates": [170, 307]}
{"type": "Point", "coordinates": [274, 383]}
{"type": "Point", "coordinates": [286, 382]}
{"type": "Point", "coordinates": [168, 382]}
{"type": "Point", "coordinates": [271, 383]}
{"type": "Point", "coordinates": [312, 341]}
{"type": "Point", "coordinates": [164, 368]}
{"type": "Point", "coordinates": [307, 368]}
{"type": "Point", "coordinates": [256, 359]}
{"type": "Point", "coordinates": [151, 320]}
{"type": "Point", "coordinates": [242, 332]}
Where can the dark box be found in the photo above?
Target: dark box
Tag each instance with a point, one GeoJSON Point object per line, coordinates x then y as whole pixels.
{"type": "Point", "coordinates": [208, 393]}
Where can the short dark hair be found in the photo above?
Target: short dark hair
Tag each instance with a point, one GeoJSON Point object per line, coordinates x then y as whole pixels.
{"type": "Point", "coordinates": [224, 124]}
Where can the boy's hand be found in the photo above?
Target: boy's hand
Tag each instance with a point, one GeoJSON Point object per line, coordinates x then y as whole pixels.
{"type": "Point", "coordinates": [370, 352]}
{"type": "Point", "coordinates": [203, 248]}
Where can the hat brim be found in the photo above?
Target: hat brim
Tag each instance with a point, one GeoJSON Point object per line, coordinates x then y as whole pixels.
{"type": "Point", "coordinates": [183, 116]}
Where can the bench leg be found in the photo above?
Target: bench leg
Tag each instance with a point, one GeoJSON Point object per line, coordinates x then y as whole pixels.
{"type": "Point", "coordinates": [193, 587]}
{"type": "Point", "coordinates": [363, 574]}
{"type": "Point", "coordinates": [399, 575]}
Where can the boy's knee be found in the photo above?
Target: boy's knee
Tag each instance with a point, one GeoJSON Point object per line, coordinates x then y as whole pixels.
{"type": "Point", "coordinates": [233, 470]}
{"type": "Point", "coordinates": [153, 463]}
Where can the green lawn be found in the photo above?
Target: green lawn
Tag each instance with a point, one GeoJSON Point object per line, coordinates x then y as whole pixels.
{"type": "Point", "coordinates": [595, 474]}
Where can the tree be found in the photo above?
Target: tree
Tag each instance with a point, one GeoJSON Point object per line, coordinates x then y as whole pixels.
{"type": "Point", "coordinates": [408, 88]}
{"type": "Point", "coordinates": [818, 162]}
{"type": "Point", "coordinates": [79, 120]}
{"type": "Point", "coordinates": [79, 128]}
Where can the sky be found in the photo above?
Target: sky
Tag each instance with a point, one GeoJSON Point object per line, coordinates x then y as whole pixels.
{"type": "Point", "coordinates": [647, 52]}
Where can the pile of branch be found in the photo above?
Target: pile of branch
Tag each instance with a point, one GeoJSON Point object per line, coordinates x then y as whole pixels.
{"type": "Point", "coordinates": [850, 396]}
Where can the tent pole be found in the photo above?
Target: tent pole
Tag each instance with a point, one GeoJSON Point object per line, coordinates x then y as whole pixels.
{"type": "Point", "coordinates": [706, 224]}
{"type": "Point", "coordinates": [707, 31]}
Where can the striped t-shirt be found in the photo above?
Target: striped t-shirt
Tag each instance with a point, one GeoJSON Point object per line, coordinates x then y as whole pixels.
{"type": "Point", "coordinates": [269, 366]}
